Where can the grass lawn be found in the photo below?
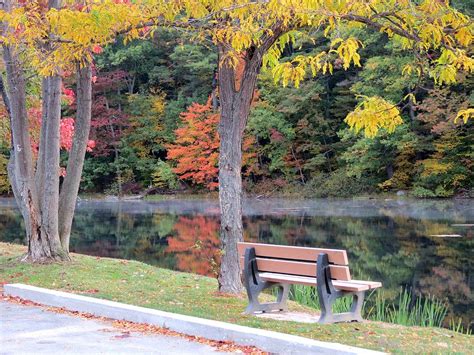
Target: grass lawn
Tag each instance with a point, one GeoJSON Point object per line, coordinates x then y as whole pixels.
{"type": "Point", "coordinates": [144, 285]}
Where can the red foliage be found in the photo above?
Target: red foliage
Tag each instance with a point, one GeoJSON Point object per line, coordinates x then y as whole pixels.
{"type": "Point", "coordinates": [107, 127]}
{"type": "Point", "coordinates": [97, 49]}
{"type": "Point", "coordinates": [66, 130]}
{"type": "Point", "coordinates": [69, 96]}
{"type": "Point", "coordinates": [111, 81]}
{"type": "Point", "coordinates": [108, 123]}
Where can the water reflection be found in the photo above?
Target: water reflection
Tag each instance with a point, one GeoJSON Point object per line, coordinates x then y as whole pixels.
{"type": "Point", "coordinates": [388, 241]}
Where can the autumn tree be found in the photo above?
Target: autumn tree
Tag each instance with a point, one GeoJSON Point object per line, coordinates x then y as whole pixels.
{"type": "Point", "coordinates": [47, 38]}
{"type": "Point", "coordinates": [196, 148]}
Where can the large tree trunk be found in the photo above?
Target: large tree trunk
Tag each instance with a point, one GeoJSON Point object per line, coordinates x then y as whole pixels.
{"type": "Point", "coordinates": [20, 168]}
{"type": "Point", "coordinates": [70, 187]}
{"type": "Point", "coordinates": [236, 89]}
{"type": "Point", "coordinates": [41, 228]}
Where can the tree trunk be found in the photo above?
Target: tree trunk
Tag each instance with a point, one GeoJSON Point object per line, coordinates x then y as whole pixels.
{"type": "Point", "coordinates": [70, 187]}
{"type": "Point", "coordinates": [236, 89]}
{"type": "Point", "coordinates": [235, 92]}
{"type": "Point", "coordinates": [41, 247]}
{"type": "Point", "coordinates": [40, 162]}
{"type": "Point", "coordinates": [43, 241]}
{"type": "Point", "coordinates": [50, 192]}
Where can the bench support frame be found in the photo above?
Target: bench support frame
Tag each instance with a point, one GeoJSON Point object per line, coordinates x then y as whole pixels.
{"type": "Point", "coordinates": [328, 294]}
{"type": "Point", "coordinates": [255, 285]}
{"type": "Point", "coordinates": [326, 291]}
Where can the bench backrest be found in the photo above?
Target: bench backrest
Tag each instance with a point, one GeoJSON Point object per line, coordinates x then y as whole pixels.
{"type": "Point", "coordinates": [298, 261]}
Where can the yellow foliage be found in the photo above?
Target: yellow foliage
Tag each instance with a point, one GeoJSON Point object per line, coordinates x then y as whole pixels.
{"type": "Point", "coordinates": [54, 40]}
{"type": "Point", "coordinates": [465, 115]}
{"type": "Point", "coordinates": [347, 51]}
{"type": "Point", "coordinates": [434, 167]}
{"type": "Point", "coordinates": [159, 102]}
{"type": "Point", "coordinates": [373, 114]}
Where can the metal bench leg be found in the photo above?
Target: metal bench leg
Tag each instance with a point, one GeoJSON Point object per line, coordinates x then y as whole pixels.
{"type": "Point", "coordinates": [254, 286]}
{"type": "Point", "coordinates": [328, 295]}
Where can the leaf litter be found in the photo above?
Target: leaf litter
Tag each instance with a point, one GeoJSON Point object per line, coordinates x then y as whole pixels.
{"type": "Point", "coordinates": [126, 328]}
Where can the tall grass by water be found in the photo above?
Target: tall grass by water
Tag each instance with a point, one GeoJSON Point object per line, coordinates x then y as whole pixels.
{"type": "Point", "coordinates": [409, 309]}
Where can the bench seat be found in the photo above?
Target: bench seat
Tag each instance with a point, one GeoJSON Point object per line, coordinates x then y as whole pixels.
{"type": "Point", "coordinates": [353, 285]}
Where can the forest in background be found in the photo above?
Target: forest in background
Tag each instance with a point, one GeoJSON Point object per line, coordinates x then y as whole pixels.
{"type": "Point", "coordinates": [155, 113]}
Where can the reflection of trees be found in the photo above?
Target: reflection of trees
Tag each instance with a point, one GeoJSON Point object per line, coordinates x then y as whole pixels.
{"type": "Point", "coordinates": [123, 235]}
{"type": "Point", "coordinates": [446, 283]}
{"type": "Point", "coordinates": [11, 226]}
{"type": "Point", "coordinates": [196, 244]}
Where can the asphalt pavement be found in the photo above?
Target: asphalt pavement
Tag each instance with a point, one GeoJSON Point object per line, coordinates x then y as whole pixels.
{"type": "Point", "coordinates": [26, 329]}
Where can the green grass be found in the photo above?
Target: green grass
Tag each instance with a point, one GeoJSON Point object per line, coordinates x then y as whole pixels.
{"type": "Point", "coordinates": [423, 312]}
{"type": "Point", "coordinates": [144, 285]}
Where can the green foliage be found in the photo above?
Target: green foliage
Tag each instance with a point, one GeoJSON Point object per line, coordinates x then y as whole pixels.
{"type": "Point", "coordinates": [339, 183]}
{"type": "Point", "coordinates": [273, 137]}
{"type": "Point", "coordinates": [380, 77]}
{"type": "Point", "coordinates": [164, 177]}
{"type": "Point", "coordinates": [419, 191]}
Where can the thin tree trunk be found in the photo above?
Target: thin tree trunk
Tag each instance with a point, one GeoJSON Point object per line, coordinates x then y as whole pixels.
{"type": "Point", "coordinates": [70, 187]}
{"type": "Point", "coordinates": [47, 177]}
{"type": "Point", "coordinates": [235, 95]}
{"type": "Point", "coordinates": [50, 166]}
{"type": "Point", "coordinates": [6, 100]}
{"type": "Point", "coordinates": [40, 162]}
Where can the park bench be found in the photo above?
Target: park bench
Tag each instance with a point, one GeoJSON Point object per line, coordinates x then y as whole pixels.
{"type": "Point", "coordinates": [265, 266]}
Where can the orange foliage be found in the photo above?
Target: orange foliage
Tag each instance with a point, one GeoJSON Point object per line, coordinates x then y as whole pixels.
{"type": "Point", "coordinates": [196, 148]}
{"type": "Point", "coordinates": [196, 245]}
{"type": "Point", "coordinates": [239, 72]}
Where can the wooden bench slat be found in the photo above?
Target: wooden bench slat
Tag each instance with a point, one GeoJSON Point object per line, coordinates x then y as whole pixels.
{"type": "Point", "coordinates": [336, 256]}
{"type": "Point", "coordinates": [312, 281]}
{"type": "Point", "coordinates": [299, 268]}
{"type": "Point", "coordinates": [371, 284]}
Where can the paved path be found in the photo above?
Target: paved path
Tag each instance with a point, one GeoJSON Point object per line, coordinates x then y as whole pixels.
{"type": "Point", "coordinates": [33, 330]}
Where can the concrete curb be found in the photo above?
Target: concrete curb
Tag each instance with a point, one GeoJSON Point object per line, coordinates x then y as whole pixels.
{"type": "Point", "coordinates": [266, 340]}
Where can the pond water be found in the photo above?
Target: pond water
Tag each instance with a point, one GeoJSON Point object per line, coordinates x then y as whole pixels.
{"type": "Point", "coordinates": [424, 245]}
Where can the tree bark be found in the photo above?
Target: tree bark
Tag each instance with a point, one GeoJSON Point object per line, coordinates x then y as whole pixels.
{"type": "Point", "coordinates": [70, 187]}
{"type": "Point", "coordinates": [50, 169]}
{"type": "Point", "coordinates": [230, 181]}
{"type": "Point", "coordinates": [235, 93]}
{"type": "Point", "coordinates": [40, 162]}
